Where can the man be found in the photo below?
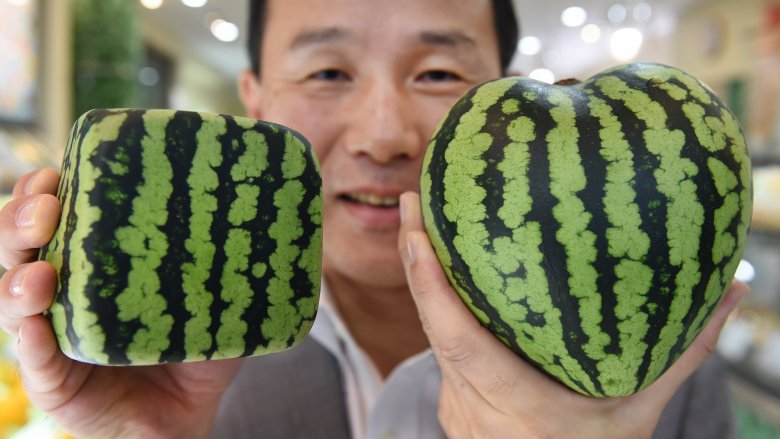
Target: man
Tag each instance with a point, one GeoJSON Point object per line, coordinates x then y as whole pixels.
{"type": "Point", "coordinates": [365, 81]}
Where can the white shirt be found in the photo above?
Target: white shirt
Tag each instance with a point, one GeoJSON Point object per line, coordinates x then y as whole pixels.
{"type": "Point", "coordinates": [405, 406]}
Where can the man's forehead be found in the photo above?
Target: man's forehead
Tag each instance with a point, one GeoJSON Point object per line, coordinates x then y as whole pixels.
{"type": "Point", "coordinates": [354, 4]}
{"type": "Point", "coordinates": [420, 15]}
{"type": "Point", "coordinates": [312, 37]}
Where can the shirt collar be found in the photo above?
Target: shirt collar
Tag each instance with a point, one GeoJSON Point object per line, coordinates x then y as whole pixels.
{"type": "Point", "coordinates": [361, 380]}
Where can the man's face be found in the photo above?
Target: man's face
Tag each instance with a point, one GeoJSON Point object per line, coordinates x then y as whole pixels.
{"type": "Point", "coordinates": [366, 82]}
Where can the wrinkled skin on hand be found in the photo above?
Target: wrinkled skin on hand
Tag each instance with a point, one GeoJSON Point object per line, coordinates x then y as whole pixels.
{"type": "Point", "coordinates": [489, 392]}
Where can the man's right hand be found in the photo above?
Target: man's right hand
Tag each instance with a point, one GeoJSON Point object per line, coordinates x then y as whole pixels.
{"type": "Point", "coordinates": [176, 400]}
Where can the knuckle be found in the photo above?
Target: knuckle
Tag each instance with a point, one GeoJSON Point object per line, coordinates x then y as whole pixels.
{"type": "Point", "coordinates": [500, 386]}
{"type": "Point", "coordinates": [6, 262]}
{"type": "Point", "coordinates": [11, 258]}
{"type": "Point", "coordinates": [21, 184]}
{"type": "Point", "coordinates": [710, 347]}
{"type": "Point", "coordinates": [8, 324]}
{"type": "Point", "coordinates": [36, 182]}
{"type": "Point", "coordinates": [9, 318]}
{"type": "Point", "coordinates": [10, 327]}
{"type": "Point", "coordinates": [458, 350]}
{"type": "Point", "coordinates": [425, 322]}
{"type": "Point", "coordinates": [401, 244]}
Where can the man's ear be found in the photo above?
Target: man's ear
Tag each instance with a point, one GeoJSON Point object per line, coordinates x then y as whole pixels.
{"type": "Point", "coordinates": [250, 92]}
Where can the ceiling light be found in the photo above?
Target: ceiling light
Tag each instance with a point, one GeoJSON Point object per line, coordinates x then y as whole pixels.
{"type": "Point", "coordinates": [625, 43]}
{"type": "Point", "coordinates": [745, 271]}
{"type": "Point", "coordinates": [591, 33]}
{"type": "Point", "coordinates": [149, 76]}
{"type": "Point", "coordinates": [224, 30]}
{"type": "Point", "coordinates": [152, 4]}
{"type": "Point", "coordinates": [530, 45]}
{"type": "Point", "coordinates": [543, 75]}
{"type": "Point", "coordinates": [642, 12]}
{"type": "Point", "coordinates": [574, 16]}
{"type": "Point", "coordinates": [617, 13]}
{"type": "Point", "coordinates": [194, 3]}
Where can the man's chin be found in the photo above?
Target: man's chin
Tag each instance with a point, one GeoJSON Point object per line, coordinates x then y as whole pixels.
{"type": "Point", "coordinates": [366, 272]}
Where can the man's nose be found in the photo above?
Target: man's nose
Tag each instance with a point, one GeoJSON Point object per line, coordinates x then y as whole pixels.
{"type": "Point", "coordinates": [383, 125]}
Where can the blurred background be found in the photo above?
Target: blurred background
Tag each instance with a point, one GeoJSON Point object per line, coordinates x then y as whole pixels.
{"type": "Point", "coordinates": [59, 58]}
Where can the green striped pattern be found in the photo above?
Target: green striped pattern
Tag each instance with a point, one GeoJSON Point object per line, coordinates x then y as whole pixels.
{"type": "Point", "coordinates": [593, 228]}
{"type": "Point", "coordinates": [184, 236]}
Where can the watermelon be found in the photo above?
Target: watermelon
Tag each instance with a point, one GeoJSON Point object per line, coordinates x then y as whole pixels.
{"type": "Point", "coordinates": [593, 227]}
{"type": "Point", "coordinates": [184, 236]}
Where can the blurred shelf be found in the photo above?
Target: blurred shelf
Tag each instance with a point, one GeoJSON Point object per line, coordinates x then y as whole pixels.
{"type": "Point", "coordinates": [766, 198]}
{"type": "Point", "coordinates": [757, 414]}
{"type": "Point", "coordinates": [760, 384]}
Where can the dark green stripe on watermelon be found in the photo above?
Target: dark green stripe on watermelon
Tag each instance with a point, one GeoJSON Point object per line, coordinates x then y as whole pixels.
{"type": "Point", "coordinates": [650, 204]}
{"type": "Point", "coordinates": [179, 133]}
{"type": "Point", "coordinates": [58, 253]}
{"type": "Point", "coordinates": [182, 236]}
{"type": "Point", "coordinates": [593, 227]}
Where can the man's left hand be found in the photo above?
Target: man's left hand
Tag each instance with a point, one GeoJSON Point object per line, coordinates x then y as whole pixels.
{"type": "Point", "coordinates": [490, 392]}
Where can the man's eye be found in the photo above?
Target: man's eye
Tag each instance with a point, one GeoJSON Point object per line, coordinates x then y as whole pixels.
{"type": "Point", "coordinates": [329, 75]}
{"type": "Point", "coordinates": [438, 76]}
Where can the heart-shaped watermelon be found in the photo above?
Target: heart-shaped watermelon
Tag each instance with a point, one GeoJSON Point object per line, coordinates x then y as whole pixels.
{"type": "Point", "coordinates": [593, 227]}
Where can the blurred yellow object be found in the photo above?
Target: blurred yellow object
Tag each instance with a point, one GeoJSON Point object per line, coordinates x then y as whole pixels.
{"type": "Point", "coordinates": [4, 198]}
{"type": "Point", "coordinates": [14, 404]}
{"type": "Point", "coordinates": [766, 198]}
{"type": "Point", "coordinates": [18, 418]}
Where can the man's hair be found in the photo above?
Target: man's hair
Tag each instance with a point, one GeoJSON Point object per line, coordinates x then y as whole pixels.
{"type": "Point", "coordinates": [504, 20]}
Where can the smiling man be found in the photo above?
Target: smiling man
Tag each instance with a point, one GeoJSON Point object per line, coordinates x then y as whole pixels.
{"type": "Point", "coordinates": [366, 81]}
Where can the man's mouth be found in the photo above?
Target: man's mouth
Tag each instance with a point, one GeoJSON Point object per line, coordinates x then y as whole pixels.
{"type": "Point", "coordinates": [371, 199]}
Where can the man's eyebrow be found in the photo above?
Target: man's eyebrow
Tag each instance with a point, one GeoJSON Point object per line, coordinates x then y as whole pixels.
{"type": "Point", "coordinates": [446, 38]}
{"type": "Point", "coordinates": [318, 36]}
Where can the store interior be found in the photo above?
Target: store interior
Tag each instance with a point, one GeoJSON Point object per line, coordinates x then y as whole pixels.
{"type": "Point", "coordinates": [60, 58]}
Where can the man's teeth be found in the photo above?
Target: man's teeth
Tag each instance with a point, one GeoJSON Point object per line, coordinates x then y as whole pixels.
{"type": "Point", "coordinates": [375, 200]}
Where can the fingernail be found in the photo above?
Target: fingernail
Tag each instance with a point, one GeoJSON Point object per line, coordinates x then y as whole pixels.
{"type": "Point", "coordinates": [25, 217]}
{"type": "Point", "coordinates": [16, 281]}
{"type": "Point", "coordinates": [411, 247]}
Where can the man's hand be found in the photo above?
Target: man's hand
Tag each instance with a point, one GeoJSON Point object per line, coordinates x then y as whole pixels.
{"type": "Point", "coordinates": [489, 392]}
{"type": "Point", "coordinates": [177, 400]}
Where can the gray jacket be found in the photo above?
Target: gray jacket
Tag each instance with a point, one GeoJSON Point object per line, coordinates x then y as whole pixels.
{"type": "Point", "coordinates": [298, 394]}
